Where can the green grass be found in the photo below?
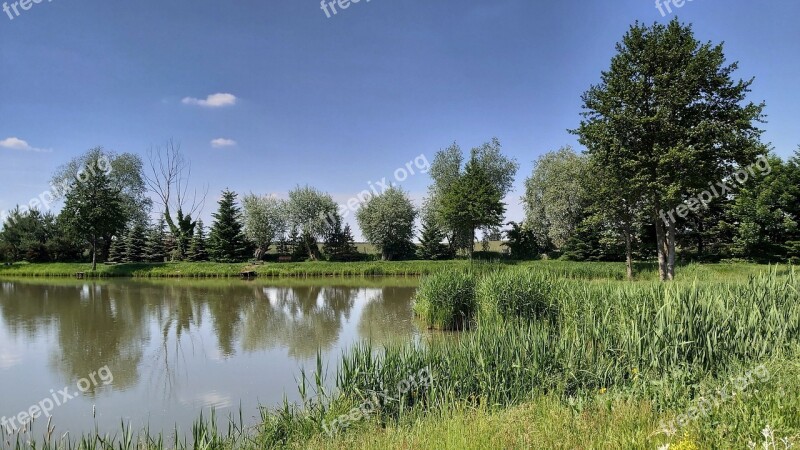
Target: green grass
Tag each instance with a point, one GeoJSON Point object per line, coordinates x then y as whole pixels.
{"type": "Point", "coordinates": [560, 269]}
{"type": "Point", "coordinates": [446, 300]}
{"type": "Point", "coordinates": [613, 419]}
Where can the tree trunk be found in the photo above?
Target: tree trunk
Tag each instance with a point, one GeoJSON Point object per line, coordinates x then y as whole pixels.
{"type": "Point", "coordinates": [472, 244]}
{"type": "Point", "coordinates": [662, 260]}
{"type": "Point", "coordinates": [628, 254]}
{"type": "Point", "coordinates": [311, 253]}
{"type": "Point", "coordinates": [94, 253]}
{"type": "Point", "coordinates": [670, 244]}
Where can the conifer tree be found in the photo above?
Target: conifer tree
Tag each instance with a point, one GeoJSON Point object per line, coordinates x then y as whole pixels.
{"type": "Point", "coordinates": [155, 247]}
{"type": "Point", "coordinates": [197, 247]}
{"type": "Point", "coordinates": [135, 243]}
{"type": "Point", "coordinates": [431, 246]}
{"type": "Point", "coordinates": [117, 252]}
{"type": "Point", "coordinates": [227, 242]}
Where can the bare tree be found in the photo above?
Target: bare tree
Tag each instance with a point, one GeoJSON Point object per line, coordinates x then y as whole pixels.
{"type": "Point", "coordinates": [168, 179]}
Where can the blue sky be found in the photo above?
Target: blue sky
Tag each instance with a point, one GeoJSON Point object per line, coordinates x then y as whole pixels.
{"type": "Point", "coordinates": [337, 102]}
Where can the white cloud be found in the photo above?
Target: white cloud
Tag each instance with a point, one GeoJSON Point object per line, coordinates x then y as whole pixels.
{"type": "Point", "coordinates": [212, 101]}
{"type": "Point", "coordinates": [14, 143]}
{"type": "Point", "coordinates": [222, 143]}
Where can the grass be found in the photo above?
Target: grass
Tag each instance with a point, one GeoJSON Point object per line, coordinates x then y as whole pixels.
{"type": "Point", "coordinates": [559, 269]}
{"type": "Point", "coordinates": [613, 419]}
{"type": "Point", "coordinates": [446, 300]}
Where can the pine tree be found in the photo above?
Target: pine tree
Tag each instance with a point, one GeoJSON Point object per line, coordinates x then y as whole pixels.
{"type": "Point", "coordinates": [197, 246]}
{"type": "Point", "coordinates": [155, 248]}
{"type": "Point", "coordinates": [227, 242]}
{"type": "Point", "coordinates": [117, 252]}
{"type": "Point", "coordinates": [339, 245]}
{"type": "Point", "coordinates": [431, 246]}
{"type": "Point", "coordinates": [135, 243]}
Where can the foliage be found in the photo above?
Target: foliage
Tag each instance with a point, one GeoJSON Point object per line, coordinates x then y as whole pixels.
{"type": "Point", "coordinates": [124, 173]}
{"type": "Point", "coordinates": [472, 202]}
{"type": "Point", "coordinates": [339, 243]}
{"type": "Point", "coordinates": [387, 221]}
{"type": "Point", "coordinates": [136, 243]}
{"type": "Point", "coordinates": [197, 248]}
{"type": "Point", "coordinates": [117, 252]}
{"type": "Point", "coordinates": [155, 245]}
{"type": "Point", "coordinates": [431, 246]}
{"type": "Point", "coordinates": [448, 176]}
{"type": "Point", "coordinates": [522, 242]}
{"type": "Point", "coordinates": [667, 119]}
{"type": "Point", "coordinates": [767, 212]}
{"type": "Point", "coordinates": [264, 221]}
{"type": "Point", "coordinates": [226, 242]}
{"type": "Point", "coordinates": [556, 196]}
{"type": "Point", "coordinates": [310, 212]}
{"type": "Point", "coordinates": [95, 208]}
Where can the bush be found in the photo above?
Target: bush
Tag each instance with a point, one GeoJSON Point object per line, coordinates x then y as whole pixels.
{"type": "Point", "coordinates": [446, 300]}
{"type": "Point", "coordinates": [518, 293]}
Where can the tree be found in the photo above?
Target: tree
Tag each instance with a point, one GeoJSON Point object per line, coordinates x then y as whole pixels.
{"type": "Point", "coordinates": [339, 243]}
{"type": "Point", "coordinates": [667, 119]}
{"type": "Point", "coordinates": [387, 221]}
{"type": "Point", "coordinates": [197, 249]}
{"type": "Point", "coordinates": [264, 221]}
{"type": "Point", "coordinates": [521, 242]}
{"type": "Point", "coordinates": [155, 247]}
{"type": "Point", "coordinates": [168, 178]}
{"type": "Point", "coordinates": [431, 246]}
{"type": "Point", "coordinates": [227, 242]}
{"type": "Point", "coordinates": [472, 202]}
{"type": "Point", "coordinates": [135, 243]}
{"type": "Point", "coordinates": [446, 171]}
{"type": "Point", "coordinates": [765, 210]}
{"type": "Point", "coordinates": [556, 196]}
{"type": "Point", "coordinates": [117, 252]}
{"type": "Point", "coordinates": [26, 234]}
{"type": "Point", "coordinates": [311, 213]}
{"type": "Point", "coordinates": [95, 208]}
{"type": "Point", "coordinates": [124, 174]}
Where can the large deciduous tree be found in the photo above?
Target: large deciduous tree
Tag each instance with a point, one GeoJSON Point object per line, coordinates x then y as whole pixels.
{"type": "Point", "coordinates": [387, 221]}
{"type": "Point", "coordinates": [556, 197]}
{"type": "Point", "coordinates": [124, 175]}
{"type": "Point", "coordinates": [264, 221]}
{"type": "Point", "coordinates": [96, 208]}
{"type": "Point", "coordinates": [311, 212]}
{"type": "Point", "coordinates": [168, 177]}
{"type": "Point", "coordinates": [447, 172]}
{"type": "Point", "coordinates": [472, 202]}
{"type": "Point", "coordinates": [667, 119]}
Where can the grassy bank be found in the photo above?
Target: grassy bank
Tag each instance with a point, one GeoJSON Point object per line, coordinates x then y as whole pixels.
{"type": "Point", "coordinates": [561, 269]}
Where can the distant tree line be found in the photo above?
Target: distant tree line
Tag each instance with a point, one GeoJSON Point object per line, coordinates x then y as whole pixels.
{"type": "Point", "coordinates": [666, 126]}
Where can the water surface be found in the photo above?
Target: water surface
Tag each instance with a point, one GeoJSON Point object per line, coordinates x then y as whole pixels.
{"type": "Point", "coordinates": [175, 349]}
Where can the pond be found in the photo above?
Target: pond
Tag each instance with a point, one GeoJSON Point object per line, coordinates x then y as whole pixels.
{"type": "Point", "coordinates": [158, 353]}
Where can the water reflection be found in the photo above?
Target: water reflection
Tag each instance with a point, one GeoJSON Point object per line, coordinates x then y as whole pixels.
{"type": "Point", "coordinates": [179, 346]}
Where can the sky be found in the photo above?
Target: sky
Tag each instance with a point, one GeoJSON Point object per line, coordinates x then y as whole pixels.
{"type": "Point", "coordinates": [267, 95]}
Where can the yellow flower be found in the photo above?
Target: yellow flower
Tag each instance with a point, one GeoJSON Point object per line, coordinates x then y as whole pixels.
{"type": "Point", "coordinates": [603, 390]}
{"type": "Point", "coordinates": [687, 443]}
